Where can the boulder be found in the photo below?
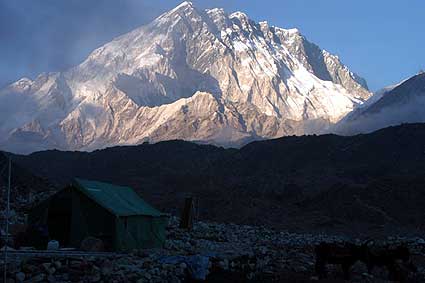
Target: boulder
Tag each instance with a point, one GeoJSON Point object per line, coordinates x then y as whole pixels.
{"type": "Point", "coordinates": [92, 244]}
{"type": "Point", "coordinates": [53, 245]}
{"type": "Point", "coordinates": [20, 277]}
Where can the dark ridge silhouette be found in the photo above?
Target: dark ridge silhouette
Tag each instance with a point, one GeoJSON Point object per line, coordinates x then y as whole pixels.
{"type": "Point", "coordinates": [364, 184]}
{"type": "Point", "coordinates": [21, 177]}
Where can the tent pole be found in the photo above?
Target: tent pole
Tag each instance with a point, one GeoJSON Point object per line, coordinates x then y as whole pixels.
{"type": "Point", "coordinates": [7, 219]}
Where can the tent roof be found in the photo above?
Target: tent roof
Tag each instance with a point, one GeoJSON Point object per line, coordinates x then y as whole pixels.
{"type": "Point", "coordinates": [120, 201]}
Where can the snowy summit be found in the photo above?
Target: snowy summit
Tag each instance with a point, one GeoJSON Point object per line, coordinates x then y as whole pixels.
{"type": "Point", "coordinates": [199, 75]}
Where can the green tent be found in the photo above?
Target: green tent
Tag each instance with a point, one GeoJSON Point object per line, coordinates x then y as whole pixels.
{"type": "Point", "coordinates": [115, 214]}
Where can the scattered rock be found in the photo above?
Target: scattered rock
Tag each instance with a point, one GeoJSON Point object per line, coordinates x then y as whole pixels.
{"type": "Point", "coordinates": [91, 244]}
{"type": "Point", "coordinates": [53, 245]}
{"type": "Point", "coordinates": [213, 250]}
{"type": "Point", "coordinates": [20, 277]}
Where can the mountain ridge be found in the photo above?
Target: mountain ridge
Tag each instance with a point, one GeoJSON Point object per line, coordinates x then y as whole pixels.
{"type": "Point", "coordinates": [189, 74]}
{"type": "Point", "coordinates": [401, 103]}
{"type": "Point", "coordinates": [316, 183]}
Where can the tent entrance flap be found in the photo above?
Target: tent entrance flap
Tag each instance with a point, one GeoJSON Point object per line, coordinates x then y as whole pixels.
{"type": "Point", "coordinates": [59, 219]}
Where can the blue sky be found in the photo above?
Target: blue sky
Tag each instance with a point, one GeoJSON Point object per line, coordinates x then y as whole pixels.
{"type": "Point", "coordinates": [381, 40]}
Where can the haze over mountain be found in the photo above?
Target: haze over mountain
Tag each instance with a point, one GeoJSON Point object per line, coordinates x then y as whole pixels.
{"type": "Point", "coordinates": [394, 105]}
{"type": "Point", "coordinates": [195, 75]}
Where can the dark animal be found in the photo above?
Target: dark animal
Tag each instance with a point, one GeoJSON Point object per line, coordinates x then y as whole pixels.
{"type": "Point", "coordinates": [345, 255]}
{"type": "Point", "coordinates": [397, 260]}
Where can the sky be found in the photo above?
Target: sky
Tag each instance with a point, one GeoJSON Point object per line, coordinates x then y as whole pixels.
{"type": "Point", "coordinates": [381, 40]}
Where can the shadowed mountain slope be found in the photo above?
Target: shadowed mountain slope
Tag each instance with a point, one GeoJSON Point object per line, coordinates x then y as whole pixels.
{"type": "Point", "coordinates": [371, 182]}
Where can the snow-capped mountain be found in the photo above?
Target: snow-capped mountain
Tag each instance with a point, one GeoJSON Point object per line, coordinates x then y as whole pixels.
{"type": "Point", "coordinates": [395, 105]}
{"type": "Point", "coordinates": [195, 75]}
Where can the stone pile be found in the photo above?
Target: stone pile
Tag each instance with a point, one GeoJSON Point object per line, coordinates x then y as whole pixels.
{"type": "Point", "coordinates": [210, 252]}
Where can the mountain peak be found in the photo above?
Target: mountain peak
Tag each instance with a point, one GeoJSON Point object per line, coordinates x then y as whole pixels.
{"type": "Point", "coordinates": [184, 5]}
{"type": "Point", "coordinates": [394, 105]}
{"type": "Point", "coordinates": [239, 15]}
{"type": "Point", "coordinates": [151, 84]}
{"type": "Point", "coordinates": [24, 80]}
{"type": "Point", "coordinates": [185, 9]}
{"type": "Point", "coordinates": [22, 84]}
{"type": "Point", "coordinates": [293, 31]}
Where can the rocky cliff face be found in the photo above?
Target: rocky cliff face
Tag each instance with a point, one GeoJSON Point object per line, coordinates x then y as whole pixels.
{"type": "Point", "coordinates": [190, 74]}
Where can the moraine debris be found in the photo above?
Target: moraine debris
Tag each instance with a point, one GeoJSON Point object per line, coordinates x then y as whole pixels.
{"type": "Point", "coordinates": [210, 252]}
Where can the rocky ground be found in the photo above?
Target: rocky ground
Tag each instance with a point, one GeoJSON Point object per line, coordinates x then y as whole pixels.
{"type": "Point", "coordinates": [20, 201]}
{"type": "Point", "coordinates": [210, 252]}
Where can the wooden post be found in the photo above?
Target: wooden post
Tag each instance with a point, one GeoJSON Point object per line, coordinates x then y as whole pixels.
{"type": "Point", "coordinates": [186, 221]}
{"type": "Point", "coordinates": [7, 220]}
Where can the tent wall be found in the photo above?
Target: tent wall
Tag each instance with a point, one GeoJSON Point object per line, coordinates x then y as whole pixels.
{"type": "Point", "coordinates": [137, 232]}
{"type": "Point", "coordinates": [90, 219]}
